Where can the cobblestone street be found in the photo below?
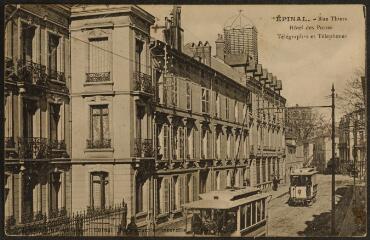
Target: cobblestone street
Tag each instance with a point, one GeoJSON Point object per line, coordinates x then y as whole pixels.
{"type": "Point", "coordinates": [314, 220]}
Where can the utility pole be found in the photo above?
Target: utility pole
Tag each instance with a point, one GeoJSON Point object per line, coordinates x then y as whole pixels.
{"type": "Point", "coordinates": [333, 161]}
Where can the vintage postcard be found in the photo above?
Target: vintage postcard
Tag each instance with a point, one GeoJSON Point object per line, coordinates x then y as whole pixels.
{"type": "Point", "coordinates": [185, 120]}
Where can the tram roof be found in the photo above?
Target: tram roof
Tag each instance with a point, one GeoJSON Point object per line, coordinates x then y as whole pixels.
{"type": "Point", "coordinates": [229, 194]}
{"type": "Point", "coordinates": [222, 204]}
{"type": "Point", "coordinates": [303, 172]}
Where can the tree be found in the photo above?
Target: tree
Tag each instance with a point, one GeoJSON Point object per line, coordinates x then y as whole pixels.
{"type": "Point", "coordinates": [353, 97]}
{"type": "Point", "coordinates": [303, 123]}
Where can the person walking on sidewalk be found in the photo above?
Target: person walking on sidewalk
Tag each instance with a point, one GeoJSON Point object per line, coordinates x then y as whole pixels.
{"type": "Point", "coordinates": [275, 183]}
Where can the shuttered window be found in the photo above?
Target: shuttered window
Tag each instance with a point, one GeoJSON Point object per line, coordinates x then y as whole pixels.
{"type": "Point", "coordinates": [188, 96]}
{"type": "Point", "coordinates": [53, 53]}
{"type": "Point", "coordinates": [195, 187]}
{"type": "Point", "coordinates": [99, 55]}
{"type": "Point", "coordinates": [205, 100]}
{"type": "Point", "coordinates": [165, 146]}
{"type": "Point", "coordinates": [99, 189]}
{"type": "Point", "coordinates": [165, 206]}
{"type": "Point", "coordinates": [100, 126]}
{"type": "Point", "coordinates": [181, 191]}
{"type": "Point", "coordinates": [54, 120]}
{"type": "Point", "coordinates": [181, 143]}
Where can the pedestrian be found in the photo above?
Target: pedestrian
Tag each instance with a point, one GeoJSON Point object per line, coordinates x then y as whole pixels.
{"type": "Point", "coordinates": [132, 229]}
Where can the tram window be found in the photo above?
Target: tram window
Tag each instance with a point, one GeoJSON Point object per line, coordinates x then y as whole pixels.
{"type": "Point", "coordinates": [298, 180]}
{"type": "Point", "coordinates": [253, 213]}
{"type": "Point", "coordinates": [258, 203]}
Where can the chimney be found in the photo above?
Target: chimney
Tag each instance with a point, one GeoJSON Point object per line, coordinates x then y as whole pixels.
{"type": "Point", "coordinates": [207, 53]}
{"type": "Point", "coordinates": [220, 44]}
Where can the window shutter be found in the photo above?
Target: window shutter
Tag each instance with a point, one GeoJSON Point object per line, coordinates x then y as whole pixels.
{"type": "Point", "coordinates": [182, 193]}
{"type": "Point", "coordinates": [166, 196]}
{"type": "Point", "coordinates": [195, 187]}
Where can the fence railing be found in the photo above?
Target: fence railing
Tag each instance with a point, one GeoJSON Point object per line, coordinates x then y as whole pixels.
{"type": "Point", "coordinates": [110, 221]}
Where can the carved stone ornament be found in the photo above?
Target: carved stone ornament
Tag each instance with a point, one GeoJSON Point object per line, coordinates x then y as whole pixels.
{"type": "Point", "coordinates": [98, 33]}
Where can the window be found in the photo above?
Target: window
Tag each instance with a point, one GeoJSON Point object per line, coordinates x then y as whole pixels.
{"type": "Point", "coordinates": [227, 108]}
{"type": "Point", "coordinates": [236, 111]}
{"type": "Point", "coordinates": [228, 145]}
{"type": "Point", "coordinates": [181, 141]}
{"type": "Point", "coordinates": [253, 213]}
{"type": "Point", "coordinates": [204, 144]}
{"type": "Point", "coordinates": [189, 143]}
{"type": "Point", "coordinates": [54, 119]}
{"type": "Point", "coordinates": [218, 180]}
{"type": "Point", "coordinates": [195, 187]}
{"type": "Point", "coordinates": [244, 113]}
{"type": "Point", "coordinates": [203, 175]}
{"type": "Point", "coordinates": [164, 196]}
{"type": "Point", "coordinates": [55, 187]}
{"type": "Point", "coordinates": [53, 61]}
{"type": "Point", "coordinates": [178, 192]}
{"type": "Point", "coordinates": [141, 193]}
{"type": "Point", "coordinates": [98, 189]}
{"type": "Point", "coordinates": [237, 146]}
{"type": "Point", "coordinates": [205, 100]}
{"type": "Point", "coordinates": [189, 186]}
{"type": "Point", "coordinates": [188, 96]}
{"type": "Point", "coordinates": [99, 127]}
{"type": "Point", "coordinates": [174, 91]}
{"type": "Point", "coordinates": [258, 171]}
{"type": "Point", "coordinates": [218, 106]}
{"type": "Point", "coordinates": [138, 49]}
{"type": "Point", "coordinates": [258, 209]}
{"type": "Point", "coordinates": [174, 142]}
{"type": "Point", "coordinates": [99, 60]}
{"type": "Point", "coordinates": [166, 152]}
{"type": "Point", "coordinates": [218, 144]}
{"type": "Point", "coordinates": [28, 34]}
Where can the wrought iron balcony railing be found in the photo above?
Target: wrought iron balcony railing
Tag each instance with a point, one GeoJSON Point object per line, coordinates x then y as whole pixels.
{"type": "Point", "coordinates": [98, 77]}
{"type": "Point", "coordinates": [143, 148]}
{"type": "Point", "coordinates": [10, 71]}
{"type": "Point", "coordinates": [56, 75]}
{"type": "Point", "coordinates": [31, 72]}
{"type": "Point", "coordinates": [142, 82]}
{"type": "Point", "coordinates": [33, 148]}
{"type": "Point", "coordinates": [57, 144]}
{"type": "Point", "coordinates": [98, 144]}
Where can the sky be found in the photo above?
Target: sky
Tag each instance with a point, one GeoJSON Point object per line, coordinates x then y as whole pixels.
{"type": "Point", "coordinates": [307, 67]}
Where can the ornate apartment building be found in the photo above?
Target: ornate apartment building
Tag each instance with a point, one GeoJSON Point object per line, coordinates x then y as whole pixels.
{"type": "Point", "coordinates": [98, 112]}
{"type": "Point", "coordinates": [36, 112]}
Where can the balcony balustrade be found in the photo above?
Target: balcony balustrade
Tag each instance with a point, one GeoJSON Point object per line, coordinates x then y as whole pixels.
{"type": "Point", "coordinates": [98, 144]}
{"type": "Point", "coordinates": [98, 77]}
{"type": "Point", "coordinates": [143, 148]}
{"type": "Point", "coordinates": [10, 71]}
{"type": "Point", "coordinates": [33, 148]}
{"type": "Point", "coordinates": [142, 82]}
{"type": "Point", "coordinates": [57, 144]}
{"type": "Point", "coordinates": [56, 75]}
{"type": "Point", "coordinates": [31, 72]}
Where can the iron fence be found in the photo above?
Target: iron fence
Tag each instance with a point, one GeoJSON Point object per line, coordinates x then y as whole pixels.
{"type": "Point", "coordinates": [111, 221]}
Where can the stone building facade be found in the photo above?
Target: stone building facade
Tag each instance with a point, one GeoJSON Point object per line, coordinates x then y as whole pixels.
{"type": "Point", "coordinates": [36, 112]}
{"type": "Point", "coordinates": [127, 117]}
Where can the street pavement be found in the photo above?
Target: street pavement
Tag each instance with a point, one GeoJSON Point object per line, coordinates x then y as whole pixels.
{"type": "Point", "coordinates": [285, 220]}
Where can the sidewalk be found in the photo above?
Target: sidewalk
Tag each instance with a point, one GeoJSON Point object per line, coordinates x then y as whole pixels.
{"type": "Point", "coordinates": [354, 223]}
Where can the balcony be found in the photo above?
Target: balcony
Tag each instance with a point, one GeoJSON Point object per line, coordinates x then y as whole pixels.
{"type": "Point", "coordinates": [98, 77]}
{"type": "Point", "coordinates": [10, 71]}
{"type": "Point", "coordinates": [33, 148]}
{"type": "Point", "coordinates": [57, 144]}
{"type": "Point", "coordinates": [143, 148]}
{"type": "Point", "coordinates": [142, 82]}
{"type": "Point", "coordinates": [98, 144]}
{"type": "Point", "coordinates": [31, 72]}
{"type": "Point", "coordinates": [57, 76]}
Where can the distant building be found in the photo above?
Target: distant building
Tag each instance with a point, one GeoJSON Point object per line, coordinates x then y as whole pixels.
{"type": "Point", "coordinates": [352, 142]}
{"type": "Point", "coordinates": [322, 153]}
{"type": "Point", "coordinates": [294, 156]}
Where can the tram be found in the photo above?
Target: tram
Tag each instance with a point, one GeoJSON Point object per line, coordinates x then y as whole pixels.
{"type": "Point", "coordinates": [303, 186]}
{"type": "Point", "coordinates": [228, 213]}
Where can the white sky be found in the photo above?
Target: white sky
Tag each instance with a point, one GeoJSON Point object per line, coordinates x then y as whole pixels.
{"type": "Point", "coordinates": [307, 68]}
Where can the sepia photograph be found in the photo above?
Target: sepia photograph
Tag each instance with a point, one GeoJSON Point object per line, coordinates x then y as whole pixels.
{"type": "Point", "coordinates": [184, 120]}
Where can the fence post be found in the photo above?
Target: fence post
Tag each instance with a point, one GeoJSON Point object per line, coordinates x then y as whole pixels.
{"type": "Point", "coordinates": [122, 226]}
